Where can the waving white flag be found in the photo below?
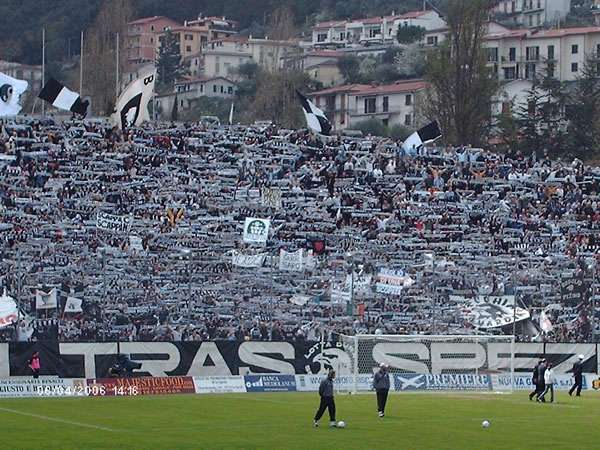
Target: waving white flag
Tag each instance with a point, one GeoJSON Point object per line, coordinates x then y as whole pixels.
{"type": "Point", "coordinates": [11, 90]}
{"type": "Point", "coordinates": [132, 106]}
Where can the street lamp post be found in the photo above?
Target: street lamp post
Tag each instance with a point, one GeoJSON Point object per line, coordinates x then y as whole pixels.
{"type": "Point", "coordinates": [350, 304]}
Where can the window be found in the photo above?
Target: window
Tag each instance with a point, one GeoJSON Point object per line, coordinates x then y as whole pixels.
{"type": "Point", "coordinates": [574, 49]}
{"type": "Point", "coordinates": [342, 36]}
{"type": "Point", "coordinates": [343, 107]}
{"type": "Point", "coordinates": [370, 105]}
{"type": "Point", "coordinates": [510, 73]}
{"type": "Point", "coordinates": [152, 40]}
{"type": "Point", "coordinates": [201, 88]}
{"type": "Point", "coordinates": [598, 50]}
{"type": "Point", "coordinates": [551, 68]}
{"type": "Point", "coordinates": [530, 18]}
{"type": "Point", "coordinates": [151, 27]}
{"type": "Point", "coordinates": [189, 37]}
{"type": "Point", "coordinates": [386, 104]}
{"type": "Point", "coordinates": [374, 32]}
{"type": "Point", "coordinates": [222, 89]}
{"type": "Point", "coordinates": [532, 53]}
{"type": "Point", "coordinates": [408, 120]}
{"type": "Point", "coordinates": [512, 54]}
{"type": "Point", "coordinates": [574, 67]}
{"type": "Point", "coordinates": [530, 71]}
{"type": "Point", "coordinates": [215, 88]}
{"type": "Point", "coordinates": [188, 48]}
{"type": "Point", "coordinates": [492, 54]}
{"type": "Point", "coordinates": [181, 103]}
{"type": "Point", "coordinates": [551, 52]}
{"type": "Point", "coordinates": [229, 90]}
{"type": "Point", "coordinates": [321, 37]}
{"type": "Point", "coordinates": [432, 40]}
{"type": "Point", "coordinates": [408, 100]}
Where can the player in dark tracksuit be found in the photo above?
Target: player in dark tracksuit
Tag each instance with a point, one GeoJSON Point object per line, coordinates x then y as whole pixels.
{"type": "Point", "coordinates": [534, 379]}
{"type": "Point", "coordinates": [381, 384]}
{"type": "Point", "coordinates": [327, 402]}
{"type": "Point", "coordinates": [578, 375]}
{"type": "Point", "coordinates": [541, 383]}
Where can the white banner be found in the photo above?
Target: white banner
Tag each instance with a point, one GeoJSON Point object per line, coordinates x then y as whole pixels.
{"type": "Point", "coordinates": [310, 383]}
{"type": "Point", "coordinates": [73, 305]}
{"type": "Point", "coordinates": [291, 261]}
{"type": "Point", "coordinates": [256, 230]}
{"type": "Point", "coordinates": [271, 197]}
{"type": "Point", "coordinates": [42, 387]}
{"type": "Point", "coordinates": [525, 382]}
{"type": "Point", "coordinates": [392, 281]}
{"type": "Point", "coordinates": [339, 294]}
{"type": "Point", "coordinates": [45, 300]}
{"type": "Point", "coordinates": [9, 313]}
{"type": "Point", "coordinates": [241, 260]}
{"type": "Point", "coordinates": [113, 223]}
{"type": "Point", "coordinates": [219, 385]}
{"type": "Point", "coordinates": [136, 243]}
{"type": "Point", "coordinates": [494, 311]}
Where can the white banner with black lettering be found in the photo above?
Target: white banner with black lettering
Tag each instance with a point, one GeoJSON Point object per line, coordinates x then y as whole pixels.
{"type": "Point", "coordinates": [392, 281]}
{"type": "Point", "coordinates": [493, 311]}
{"type": "Point", "coordinates": [247, 261]}
{"type": "Point", "coordinates": [291, 261]}
{"type": "Point", "coordinates": [256, 230]}
{"type": "Point", "coordinates": [219, 385]}
{"type": "Point", "coordinates": [113, 223]}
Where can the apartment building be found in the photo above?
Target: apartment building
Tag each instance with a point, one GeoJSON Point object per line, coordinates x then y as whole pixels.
{"type": "Point", "coordinates": [222, 57]}
{"type": "Point", "coordinates": [142, 38]}
{"type": "Point", "coordinates": [521, 54]}
{"type": "Point", "coordinates": [398, 103]}
{"type": "Point", "coordinates": [533, 13]}
{"type": "Point", "coordinates": [372, 30]}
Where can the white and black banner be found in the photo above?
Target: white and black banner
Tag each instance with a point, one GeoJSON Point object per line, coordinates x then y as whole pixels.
{"type": "Point", "coordinates": [291, 261]}
{"type": "Point", "coordinates": [46, 300]}
{"type": "Point", "coordinates": [113, 223]}
{"type": "Point", "coordinates": [487, 311]}
{"type": "Point", "coordinates": [62, 98]}
{"type": "Point", "coordinates": [256, 230]}
{"type": "Point", "coordinates": [392, 281]}
{"type": "Point", "coordinates": [225, 358]}
{"type": "Point", "coordinates": [11, 90]}
{"type": "Point", "coordinates": [271, 197]}
{"type": "Point", "coordinates": [132, 106]}
{"type": "Point", "coordinates": [248, 261]}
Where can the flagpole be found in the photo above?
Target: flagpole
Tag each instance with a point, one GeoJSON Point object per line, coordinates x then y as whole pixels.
{"type": "Point", "coordinates": [81, 67]}
{"type": "Point", "coordinates": [43, 66]}
{"type": "Point", "coordinates": [117, 80]}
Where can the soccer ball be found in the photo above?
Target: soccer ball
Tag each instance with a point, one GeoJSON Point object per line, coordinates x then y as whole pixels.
{"type": "Point", "coordinates": [341, 424]}
{"type": "Point", "coordinates": [485, 424]}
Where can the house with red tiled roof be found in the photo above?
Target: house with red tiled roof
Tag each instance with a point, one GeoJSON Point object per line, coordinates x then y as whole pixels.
{"type": "Point", "coordinates": [398, 103]}
{"type": "Point", "coordinates": [371, 30]}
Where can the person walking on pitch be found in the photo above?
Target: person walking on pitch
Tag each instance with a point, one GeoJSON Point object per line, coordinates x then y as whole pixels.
{"type": "Point", "coordinates": [534, 379]}
{"type": "Point", "coordinates": [327, 401]}
{"type": "Point", "coordinates": [549, 380]}
{"type": "Point", "coordinates": [381, 384]}
{"type": "Point", "coordinates": [578, 375]}
{"type": "Point", "coordinates": [541, 381]}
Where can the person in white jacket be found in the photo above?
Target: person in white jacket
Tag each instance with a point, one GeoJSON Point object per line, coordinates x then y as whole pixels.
{"type": "Point", "coordinates": [549, 379]}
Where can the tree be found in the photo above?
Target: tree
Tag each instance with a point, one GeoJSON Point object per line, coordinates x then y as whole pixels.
{"type": "Point", "coordinates": [583, 111]}
{"type": "Point", "coordinates": [349, 67]}
{"type": "Point", "coordinates": [374, 127]}
{"type": "Point", "coordinates": [462, 86]}
{"type": "Point", "coordinates": [175, 110]}
{"type": "Point", "coordinates": [409, 34]}
{"type": "Point", "coordinates": [169, 65]}
{"type": "Point", "coordinates": [100, 61]}
{"type": "Point", "coordinates": [541, 120]}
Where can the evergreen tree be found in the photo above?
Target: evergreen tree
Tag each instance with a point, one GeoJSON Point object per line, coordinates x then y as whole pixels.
{"type": "Point", "coordinates": [583, 111]}
{"type": "Point", "coordinates": [541, 120]}
{"type": "Point", "coordinates": [169, 65]}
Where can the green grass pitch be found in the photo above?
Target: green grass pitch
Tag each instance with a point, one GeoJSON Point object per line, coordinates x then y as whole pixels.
{"type": "Point", "coordinates": [284, 421]}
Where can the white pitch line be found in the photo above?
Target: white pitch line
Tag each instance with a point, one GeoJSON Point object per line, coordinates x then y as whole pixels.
{"type": "Point", "coordinates": [55, 419]}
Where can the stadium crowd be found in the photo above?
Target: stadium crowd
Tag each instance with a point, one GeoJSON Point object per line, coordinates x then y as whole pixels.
{"type": "Point", "coordinates": [466, 232]}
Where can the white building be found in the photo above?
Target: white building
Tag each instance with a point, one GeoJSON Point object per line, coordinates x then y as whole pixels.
{"type": "Point", "coordinates": [222, 57]}
{"type": "Point", "coordinates": [372, 30]}
{"type": "Point", "coordinates": [521, 54]}
{"type": "Point", "coordinates": [533, 13]}
{"type": "Point", "coordinates": [399, 103]}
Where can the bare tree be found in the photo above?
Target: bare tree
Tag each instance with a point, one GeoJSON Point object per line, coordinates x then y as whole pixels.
{"type": "Point", "coordinates": [462, 84]}
{"type": "Point", "coordinates": [100, 58]}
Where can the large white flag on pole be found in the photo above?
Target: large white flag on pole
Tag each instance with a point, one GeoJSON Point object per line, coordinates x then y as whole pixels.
{"type": "Point", "coordinates": [132, 106]}
{"type": "Point", "coordinates": [45, 300]}
{"type": "Point", "coordinates": [11, 90]}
